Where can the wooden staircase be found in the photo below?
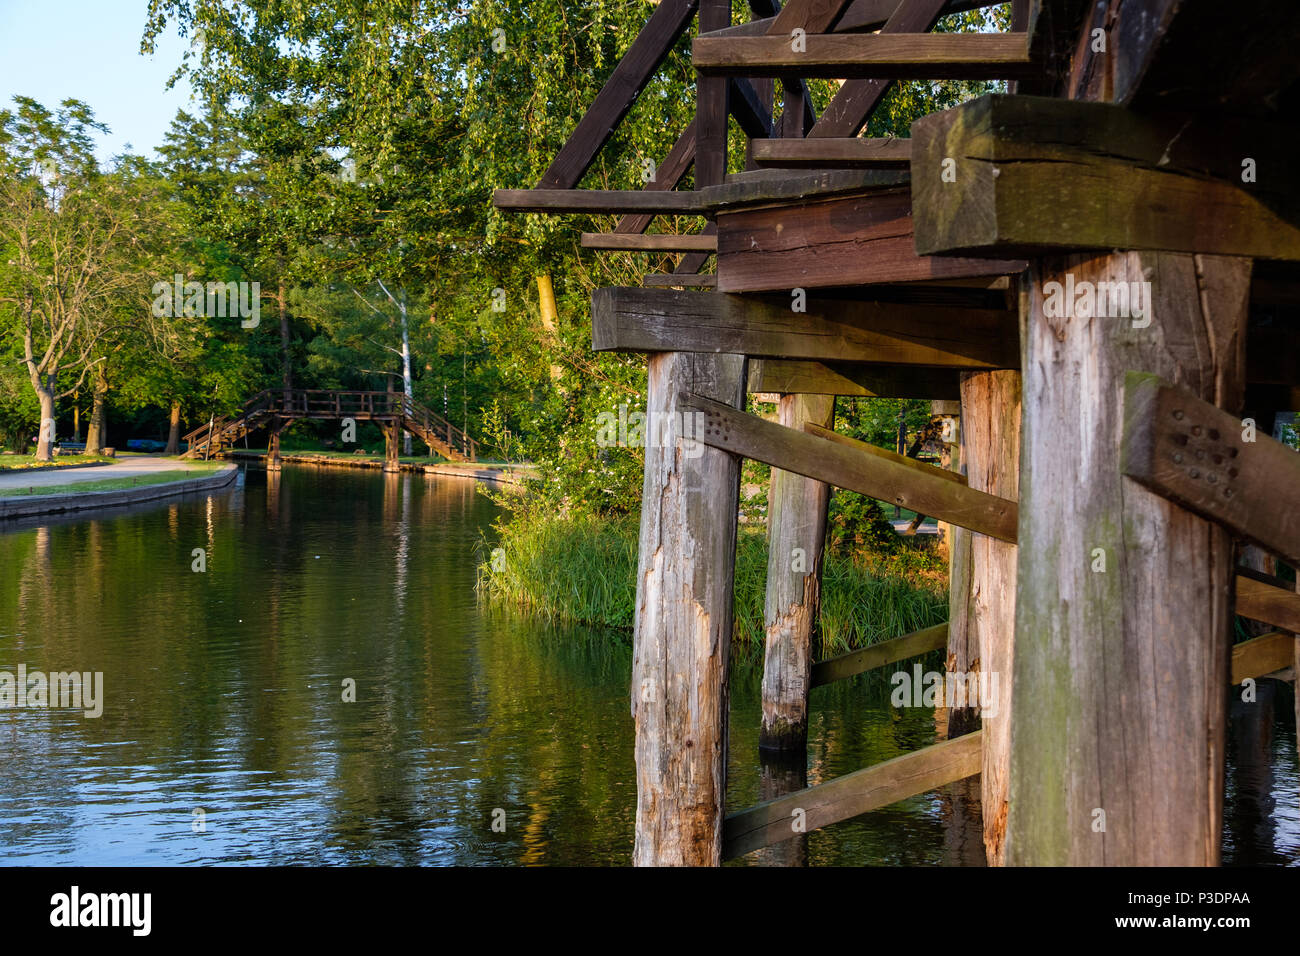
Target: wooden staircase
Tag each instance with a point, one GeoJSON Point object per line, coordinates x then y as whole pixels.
{"type": "Point", "coordinates": [272, 406]}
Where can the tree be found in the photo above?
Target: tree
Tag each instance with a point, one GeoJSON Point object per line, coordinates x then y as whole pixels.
{"type": "Point", "coordinates": [79, 242]}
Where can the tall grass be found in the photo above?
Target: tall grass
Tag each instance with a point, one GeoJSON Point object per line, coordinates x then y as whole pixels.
{"type": "Point", "coordinates": [583, 570]}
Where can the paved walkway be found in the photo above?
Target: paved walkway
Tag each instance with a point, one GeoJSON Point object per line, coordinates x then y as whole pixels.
{"type": "Point", "coordinates": [131, 467]}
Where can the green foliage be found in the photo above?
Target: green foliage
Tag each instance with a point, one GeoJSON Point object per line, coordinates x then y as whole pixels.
{"type": "Point", "coordinates": [582, 569]}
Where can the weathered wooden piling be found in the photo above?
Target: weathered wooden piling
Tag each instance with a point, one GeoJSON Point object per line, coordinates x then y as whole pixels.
{"type": "Point", "coordinates": [991, 453]}
{"type": "Point", "coordinates": [796, 536]}
{"type": "Point", "coordinates": [682, 633]}
{"type": "Point", "coordinates": [1124, 598]}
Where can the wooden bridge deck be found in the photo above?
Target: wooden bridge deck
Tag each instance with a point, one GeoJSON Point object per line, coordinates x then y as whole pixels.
{"type": "Point", "coordinates": [275, 408]}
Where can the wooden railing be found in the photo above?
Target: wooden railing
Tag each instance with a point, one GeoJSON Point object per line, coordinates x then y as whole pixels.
{"type": "Point", "coordinates": [428, 425]}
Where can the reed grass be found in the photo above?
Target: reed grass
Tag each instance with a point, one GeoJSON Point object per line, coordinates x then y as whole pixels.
{"type": "Point", "coordinates": [582, 570]}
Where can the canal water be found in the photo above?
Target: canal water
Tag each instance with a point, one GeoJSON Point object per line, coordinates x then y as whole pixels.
{"type": "Point", "coordinates": [475, 737]}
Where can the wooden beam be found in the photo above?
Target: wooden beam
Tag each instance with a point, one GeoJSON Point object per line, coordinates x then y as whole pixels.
{"type": "Point", "coordinates": [598, 201]}
{"type": "Point", "coordinates": [842, 241]}
{"type": "Point", "coordinates": [919, 467]}
{"type": "Point", "coordinates": [648, 242]}
{"type": "Point", "coordinates": [711, 106]}
{"type": "Point", "coordinates": [861, 16]}
{"type": "Point", "coordinates": [846, 378]}
{"type": "Point", "coordinates": [894, 56]}
{"type": "Point", "coordinates": [991, 177]}
{"type": "Point", "coordinates": [855, 100]}
{"type": "Point", "coordinates": [879, 655]}
{"type": "Point", "coordinates": [652, 45]}
{"type": "Point", "coordinates": [751, 437]}
{"type": "Point", "coordinates": [845, 152]}
{"type": "Point", "coordinates": [655, 320]}
{"type": "Point", "coordinates": [1258, 601]}
{"type": "Point", "coordinates": [1261, 656]}
{"type": "Point", "coordinates": [852, 794]}
{"type": "Point", "coordinates": [660, 280]}
{"type": "Point", "coordinates": [1193, 453]}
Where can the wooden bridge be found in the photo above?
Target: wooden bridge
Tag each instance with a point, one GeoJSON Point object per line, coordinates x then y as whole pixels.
{"type": "Point", "coordinates": [394, 412]}
{"type": "Point", "coordinates": [1114, 505]}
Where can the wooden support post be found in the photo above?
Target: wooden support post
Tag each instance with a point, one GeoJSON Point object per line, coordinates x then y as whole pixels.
{"type": "Point", "coordinates": [392, 432]}
{"type": "Point", "coordinates": [990, 407]}
{"type": "Point", "coordinates": [273, 445]}
{"type": "Point", "coordinates": [682, 634]}
{"type": "Point", "coordinates": [1123, 598]}
{"type": "Point", "coordinates": [796, 535]}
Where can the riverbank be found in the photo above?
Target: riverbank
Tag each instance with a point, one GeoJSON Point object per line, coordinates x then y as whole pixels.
{"type": "Point", "coordinates": [583, 571]}
{"type": "Point", "coordinates": [25, 500]}
{"type": "Point", "coordinates": [496, 472]}
{"type": "Point", "coordinates": [28, 463]}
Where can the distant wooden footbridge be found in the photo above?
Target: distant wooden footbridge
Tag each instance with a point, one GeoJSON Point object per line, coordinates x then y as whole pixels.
{"type": "Point", "coordinates": [274, 409]}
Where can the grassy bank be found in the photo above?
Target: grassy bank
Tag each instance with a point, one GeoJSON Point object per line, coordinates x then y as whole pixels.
{"type": "Point", "coordinates": [583, 570]}
{"type": "Point", "coordinates": [29, 462]}
{"type": "Point", "coordinates": [193, 470]}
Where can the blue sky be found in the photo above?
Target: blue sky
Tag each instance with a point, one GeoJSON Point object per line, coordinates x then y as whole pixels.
{"type": "Point", "coordinates": [89, 49]}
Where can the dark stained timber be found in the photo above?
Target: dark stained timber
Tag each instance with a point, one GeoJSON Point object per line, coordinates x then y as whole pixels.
{"type": "Point", "coordinates": [598, 201]}
{"type": "Point", "coordinates": [842, 241]}
{"type": "Point", "coordinates": [668, 22]}
{"type": "Point", "coordinates": [901, 56]}
{"type": "Point", "coordinates": [842, 152]}
{"type": "Point", "coordinates": [893, 333]}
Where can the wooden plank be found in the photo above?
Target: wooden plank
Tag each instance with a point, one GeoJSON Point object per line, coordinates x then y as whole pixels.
{"type": "Point", "coordinates": [652, 45]}
{"type": "Point", "coordinates": [776, 186]}
{"type": "Point", "coordinates": [836, 464]}
{"type": "Point", "coordinates": [711, 106]}
{"type": "Point", "coordinates": [839, 242]}
{"type": "Point", "coordinates": [1258, 601]}
{"type": "Point", "coordinates": [600, 201]}
{"type": "Point", "coordinates": [1191, 452]}
{"type": "Point", "coordinates": [845, 378]}
{"type": "Point", "coordinates": [648, 242]}
{"type": "Point", "coordinates": [919, 467]}
{"type": "Point", "coordinates": [861, 16]}
{"type": "Point", "coordinates": [840, 152]}
{"type": "Point", "coordinates": [869, 15]}
{"type": "Point", "coordinates": [653, 320]}
{"type": "Point", "coordinates": [895, 56]}
{"type": "Point", "coordinates": [683, 623]}
{"type": "Point", "coordinates": [879, 655]}
{"type": "Point", "coordinates": [1261, 656]}
{"type": "Point", "coordinates": [856, 99]}
{"type": "Point", "coordinates": [1142, 642]}
{"type": "Point", "coordinates": [796, 536]}
{"type": "Point", "coordinates": [852, 794]}
{"type": "Point", "coordinates": [660, 280]}
{"type": "Point", "coordinates": [990, 177]}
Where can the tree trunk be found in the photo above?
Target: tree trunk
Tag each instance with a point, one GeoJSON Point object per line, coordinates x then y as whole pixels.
{"type": "Point", "coordinates": [682, 637]}
{"type": "Point", "coordinates": [97, 431]}
{"type": "Point", "coordinates": [286, 358]}
{"type": "Point", "coordinates": [174, 431]}
{"type": "Point", "coordinates": [45, 433]}
{"type": "Point", "coordinates": [1122, 673]}
{"type": "Point", "coordinates": [991, 451]}
{"type": "Point", "coordinates": [796, 519]}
